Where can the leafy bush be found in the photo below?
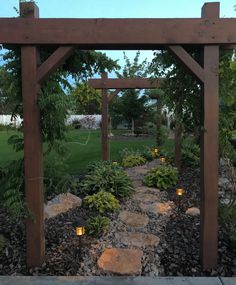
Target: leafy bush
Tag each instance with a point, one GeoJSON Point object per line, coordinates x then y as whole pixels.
{"type": "Point", "coordinates": [162, 177]}
{"type": "Point", "coordinates": [97, 225]}
{"type": "Point", "coordinates": [149, 128]}
{"type": "Point", "coordinates": [106, 176]}
{"type": "Point", "coordinates": [228, 220]}
{"type": "Point", "coordinates": [102, 202]}
{"type": "Point", "coordinates": [149, 153]}
{"type": "Point", "coordinates": [190, 154]}
{"type": "Point", "coordinates": [56, 178]}
{"type": "Point", "coordinates": [12, 188]}
{"type": "Point", "coordinates": [133, 160]}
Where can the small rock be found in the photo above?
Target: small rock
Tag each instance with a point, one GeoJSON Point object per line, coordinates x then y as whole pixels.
{"type": "Point", "coordinates": [121, 261]}
{"type": "Point", "coordinates": [194, 211]}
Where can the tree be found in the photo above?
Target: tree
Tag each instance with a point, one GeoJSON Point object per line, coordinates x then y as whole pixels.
{"type": "Point", "coordinates": [133, 105]}
{"type": "Point", "coordinates": [157, 95]}
{"type": "Point", "coordinates": [87, 100]}
{"type": "Point", "coordinates": [182, 95]}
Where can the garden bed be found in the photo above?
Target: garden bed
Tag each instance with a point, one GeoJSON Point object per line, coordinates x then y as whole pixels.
{"type": "Point", "coordinates": [177, 252]}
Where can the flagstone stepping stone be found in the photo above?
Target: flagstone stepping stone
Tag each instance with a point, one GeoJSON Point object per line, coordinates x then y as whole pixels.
{"type": "Point", "coordinates": [121, 261]}
{"type": "Point", "coordinates": [164, 208]}
{"type": "Point", "coordinates": [61, 204]}
{"type": "Point", "coordinates": [137, 239]}
{"type": "Point", "coordinates": [145, 189]}
{"type": "Point", "coordinates": [137, 183]}
{"type": "Point", "coordinates": [133, 219]}
{"type": "Point", "coordinates": [141, 170]}
{"type": "Point", "coordinates": [145, 197]}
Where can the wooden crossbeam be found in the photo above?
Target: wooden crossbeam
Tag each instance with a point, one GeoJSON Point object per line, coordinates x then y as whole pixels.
{"type": "Point", "coordinates": [118, 33]}
{"type": "Point", "coordinates": [125, 83]}
{"type": "Point", "coordinates": [53, 62]}
{"type": "Point", "coordinates": [188, 61]}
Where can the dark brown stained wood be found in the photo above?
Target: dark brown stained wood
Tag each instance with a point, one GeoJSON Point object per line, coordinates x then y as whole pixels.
{"type": "Point", "coordinates": [105, 139]}
{"type": "Point", "coordinates": [113, 94]}
{"type": "Point", "coordinates": [125, 83]}
{"type": "Point", "coordinates": [119, 33]}
{"type": "Point", "coordinates": [188, 61]}
{"type": "Point", "coordinates": [33, 156]}
{"type": "Point", "coordinates": [209, 152]}
{"type": "Point", "coordinates": [53, 62]}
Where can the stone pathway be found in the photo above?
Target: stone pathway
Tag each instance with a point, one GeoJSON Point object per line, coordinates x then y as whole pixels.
{"type": "Point", "coordinates": [131, 246]}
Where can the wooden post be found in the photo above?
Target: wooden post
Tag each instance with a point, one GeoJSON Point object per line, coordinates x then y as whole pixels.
{"type": "Point", "coordinates": [105, 142]}
{"type": "Point", "coordinates": [33, 158]}
{"type": "Point", "coordinates": [209, 150]}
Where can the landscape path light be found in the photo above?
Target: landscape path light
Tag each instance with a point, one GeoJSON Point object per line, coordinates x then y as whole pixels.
{"type": "Point", "coordinates": [179, 192]}
{"type": "Point", "coordinates": [80, 228]}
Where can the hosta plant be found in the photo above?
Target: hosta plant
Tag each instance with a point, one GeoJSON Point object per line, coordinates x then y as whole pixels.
{"type": "Point", "coordinates": [133, 160]}
{"type": "Point", "coordinates": [101, 202]}
{"type": "Point", "coordinates": [162, 177]}
{"type": "Point", "coordinates": [106, 176]}
{"type": "Point", "coordinates": [96, 226]}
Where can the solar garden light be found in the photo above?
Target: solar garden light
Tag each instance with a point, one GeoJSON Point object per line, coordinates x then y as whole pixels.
{"type": "Point", "coordinates": [179, 192]}
{"type": "Point", "coordinates": [80, 226]}
{"type": "Point", "coordinates": [162, 160]}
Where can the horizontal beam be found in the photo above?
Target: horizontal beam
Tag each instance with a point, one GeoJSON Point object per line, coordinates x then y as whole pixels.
{"type": "Point", "coordinates": [117, 33]}
{"type": "Point", "coordinates": [125, 83]}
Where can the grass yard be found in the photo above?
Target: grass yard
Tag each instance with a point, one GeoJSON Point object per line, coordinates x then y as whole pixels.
{"type": "Point", "coordinates": [84, 146]}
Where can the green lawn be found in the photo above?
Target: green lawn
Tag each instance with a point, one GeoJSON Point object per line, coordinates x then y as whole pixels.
{"type": "Point", "coordinates": [83, 147]}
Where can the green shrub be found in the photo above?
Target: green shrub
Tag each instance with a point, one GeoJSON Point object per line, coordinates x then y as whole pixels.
{"type": "Point", "coordinates": [162, 177]}
{"type": "Point", "coordinates": [133, 160]}
{"type": "Point", "coordinates": [102, 202]}
{"type": "Point", "coordinates": [190, 154]}
{"type": "Point", "coordinates": [97, 225]}
{"type": "Point", "coordinates": [227, 216]}
{"type": "Point", "coordinates": [106, 176]}
{"type": "Point", "coordinates": [149, 153]}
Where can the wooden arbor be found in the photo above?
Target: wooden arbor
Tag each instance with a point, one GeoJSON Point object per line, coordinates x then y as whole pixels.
{"type": "Point", "coordinates": [106, 83]}
{"type": "Point", "coordinates": [209, 32]}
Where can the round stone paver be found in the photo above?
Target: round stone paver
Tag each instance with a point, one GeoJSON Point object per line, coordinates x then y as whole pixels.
{"type": "Point", "coordinates": [133, 219]}
{"type": "Point", "coordinates": [137, 239]}
{"type": "Point", "coordinates": [121, 261]}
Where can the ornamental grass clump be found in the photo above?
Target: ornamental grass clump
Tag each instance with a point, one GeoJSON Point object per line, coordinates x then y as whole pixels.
{"type": "Point", "coordinates": [106, 176]}
{"type": "Point", "coordinates": [162, 177]}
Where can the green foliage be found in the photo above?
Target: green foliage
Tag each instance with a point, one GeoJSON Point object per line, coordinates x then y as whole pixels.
{"type": "Point", "coordinates": [132, 105]}
{"type": "Point", "coordinates": [182, 91]}
{"type": "Point", "coordinates": [133, 160]}
{"type": "Point", "coordinates": [87, 100]}
{"type": "Point", "coordinates": [12, 187]}
{"type": "Point", "coordinates": [2, 242]}
{"type": "Point", "coordinates": [56, 179]}
{"type": "Point", "coordinates": [162, 177]}
{"type": "Point", "coordinates": [228, 220]}
{"type": "Point", "coordinates": [17, 142]}
{"type": "Point", "coordinates": [96, 226]}
{"type": "Point", "coordinates": [106, 176]}
{"type": "Point", "coordinates": [102, 202]}
{"type": "Point", "coordinates": [190, 153]}
{"type": "Point", "coordinates": [227, 104]}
